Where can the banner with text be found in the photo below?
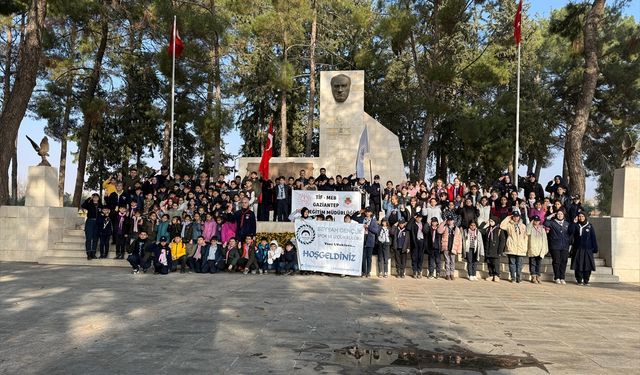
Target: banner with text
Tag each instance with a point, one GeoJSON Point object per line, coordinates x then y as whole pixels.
{"type": "Point", "coordinates": [334, 203]}
{"type": "Point", "coordinates": [330, 246]}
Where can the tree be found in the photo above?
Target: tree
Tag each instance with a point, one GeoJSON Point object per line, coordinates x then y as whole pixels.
{"type": "Point", "coordinates": [91, 107]}
{"type": "Point", "coordinates": [15, 107]}
{"type": "Point", "coordinates": [573, 147]}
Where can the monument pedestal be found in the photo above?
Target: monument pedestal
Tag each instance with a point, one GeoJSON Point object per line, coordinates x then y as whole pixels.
{"type": "Point", "coordinates": [42, 187]}
{"type": "Point", "coordinates": [625, 224]}
{"type": "Point", "coordinates": [341, 123]}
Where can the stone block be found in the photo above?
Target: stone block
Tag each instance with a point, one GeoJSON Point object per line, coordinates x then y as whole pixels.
{"type": "Point", "coordinates": [625, 238]}
{"type": "Point", "coordinates": [626, 184]}
{"type": "Point", "coordinates": [9, 211]}
{"type": "Point", "coordinates": [42, 187]}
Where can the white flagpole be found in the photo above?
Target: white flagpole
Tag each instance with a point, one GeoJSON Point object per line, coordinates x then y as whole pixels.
{"type": "Point", "coordinates": [517, 123]}
{"type": "Point", "coordinates": [173, 91]}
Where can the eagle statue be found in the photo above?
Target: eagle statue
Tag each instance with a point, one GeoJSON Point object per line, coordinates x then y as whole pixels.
{"type": "Point", "coordinates": [42, 149]}
{"type": "Point", "coordinates": [629, 151]}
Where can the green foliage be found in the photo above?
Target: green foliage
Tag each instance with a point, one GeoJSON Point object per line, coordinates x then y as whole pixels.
{"type": "Point", "coordinates": [282, 238]}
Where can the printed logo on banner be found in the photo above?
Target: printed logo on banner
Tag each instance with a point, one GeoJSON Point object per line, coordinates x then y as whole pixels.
{"type": "Point", "coordinates": [304, 200]}
{"type": "Point", "coordinates": [305, 234]}
{"type": "Point", "coordinates": [347, 201]}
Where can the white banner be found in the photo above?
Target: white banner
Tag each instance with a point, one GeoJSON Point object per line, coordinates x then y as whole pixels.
{"type": "Point", "coordinates": [332, 247]}
{"type": "Point", "coordinates": [334, 203]}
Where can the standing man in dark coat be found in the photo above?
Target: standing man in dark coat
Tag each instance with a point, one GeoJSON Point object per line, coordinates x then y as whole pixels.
{"type": "Point", "coordinates": [283, 197]}
{"type": "Point", "coordinates": [434, 255]}
{"type": "Point", "coordinates": [245, 220]}
{"type": "Point", "coordinates": [375, 196]}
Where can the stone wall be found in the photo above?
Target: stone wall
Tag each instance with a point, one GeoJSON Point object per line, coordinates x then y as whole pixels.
{"type": "Point", "coordinates": [27, 232]}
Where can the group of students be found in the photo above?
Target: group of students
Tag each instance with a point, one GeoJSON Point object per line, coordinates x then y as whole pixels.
{"type": "Point", "coordinates": [204, 225]}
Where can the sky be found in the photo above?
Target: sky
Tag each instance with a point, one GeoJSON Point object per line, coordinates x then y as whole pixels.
{"type": "Point", "coordinates": [35, 128]}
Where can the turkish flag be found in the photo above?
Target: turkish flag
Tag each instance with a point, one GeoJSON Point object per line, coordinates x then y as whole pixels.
{"type": "Point", "coordinates": [517, 23]}
{"type": "Point", "coordinates": [175, 41]}
{"type": "Point", "coordinates": [267, 153]}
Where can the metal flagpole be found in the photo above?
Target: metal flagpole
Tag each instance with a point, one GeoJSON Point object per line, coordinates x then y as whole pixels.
{"type": "Point", "coordinates": [173, 91]}
{"type": "Point", "coordinates": [517, 123]}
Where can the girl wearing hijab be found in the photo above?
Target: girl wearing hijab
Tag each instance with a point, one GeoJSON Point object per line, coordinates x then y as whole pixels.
{"type": "Point", "coordinates": [584, 246]}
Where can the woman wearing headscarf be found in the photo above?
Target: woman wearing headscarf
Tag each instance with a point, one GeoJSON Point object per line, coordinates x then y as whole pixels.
{"type": "Point", "coordinates": [584, 246]}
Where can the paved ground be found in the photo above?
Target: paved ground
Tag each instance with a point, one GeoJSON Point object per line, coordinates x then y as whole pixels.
{"type": "Point", "coordinates": [66, 320]}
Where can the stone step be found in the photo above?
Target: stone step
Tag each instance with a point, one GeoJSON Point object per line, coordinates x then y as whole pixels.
{"type": "Point", "coordinates": [548, 268]}
{"type": "Point", "coordinates": [74, 233]}
{"type": "Point", "coordinates": [73, 261]}
{"type": "Point", "coordinates": [73, 239]}
{"type": "Point", "coordinates": [67, 246]}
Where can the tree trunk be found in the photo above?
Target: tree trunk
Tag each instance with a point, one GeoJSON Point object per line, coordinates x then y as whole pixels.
{"type": "Point", "coordinates": [88, 110]}
{"type": "Point", "coordinates": [538, 169]}
{"type": "Point", "coordinates": [30, 51]}
{"type": "Point", "coordinates": [7, 91]}
{"type": "Point", "coordinates": [283, 104]}
{"type": "Point", "coordinates": [573, 145]}
{"type": "Point", "coordinates": [312, 81]}
{"type": "Point", "coordinates": [68, 106]}
{"type": "Point", "coordinates": [217, 129]}
{"type": "Point", "coordinates": [424, 146]}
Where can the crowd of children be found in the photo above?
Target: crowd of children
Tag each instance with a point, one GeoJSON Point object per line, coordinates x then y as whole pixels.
{"type": "Point", "coordinates": [208, 225]}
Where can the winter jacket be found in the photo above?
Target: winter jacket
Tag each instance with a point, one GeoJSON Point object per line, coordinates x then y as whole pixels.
{"type": "Point", "coordinates": [517, 238]}
{"type": "Point", "coordinates": [434, 240]}
{"type": "Point", "coordinates": [584, 236]}
{"type": "Point", "coordinates": [468, 214]}
{"type": "Point", "coordinates": [538, 245]}
{"type": "Point", "coordinates": [494, 240]}
{"type": "Point", "coordinates": [558, 236]}
{"type": "Point", "coordinates": [398, 238]}
{"type": "Point", "coordinates": [163, 230]}
{"type": "Point", "coordinates": [484, 213]}
{"type": "Point", "coordinates": [479, 245]}
{"type": "Point", "coordinates": [93, 210]}
{"type": "Point", "coordinates": [178, 250]}
{"type": "Point", "coordinates": [104, 226]}
{"type": "Point", "coordinates": [451, 191]}
{"type": "Point", "coordinates": [456, 248]}
{"type": "Point", "coordinates": [413, 229]}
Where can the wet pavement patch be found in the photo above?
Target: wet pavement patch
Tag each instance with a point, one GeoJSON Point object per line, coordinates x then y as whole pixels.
{"type": "Point", "coordinates": [370, 359]}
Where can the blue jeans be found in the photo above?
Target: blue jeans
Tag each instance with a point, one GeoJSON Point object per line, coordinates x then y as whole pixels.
{"type": "Point", "coordinates": [90, 237]}
{"type": "Point", "coordinates": [435, 263]}
{"type": "Point", "coordinates": [366, 260]}
{"type": "Point", "coordinates": [515, 266]}
{"type": "Point", "coordinates": [471, 265]}
{"type": "Point", "coordinates": [534, 265]}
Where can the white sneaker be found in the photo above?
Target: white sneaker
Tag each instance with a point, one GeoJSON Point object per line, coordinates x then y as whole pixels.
{"type": "Point", "coordinates": [563, 282]}
{"type": "Point", "coordinates": [558, 281]}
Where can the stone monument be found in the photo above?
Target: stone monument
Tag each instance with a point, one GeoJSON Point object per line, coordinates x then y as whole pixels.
{"type": "Point", "coordinates": [42, 183]}
{"type": "Point", "coordinates": [625, 224]}
{"type": "Point", "coordinates": [342, 119]}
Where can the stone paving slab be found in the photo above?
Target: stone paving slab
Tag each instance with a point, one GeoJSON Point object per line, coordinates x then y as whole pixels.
{"type": "Point", "coordinates": [81, 320]}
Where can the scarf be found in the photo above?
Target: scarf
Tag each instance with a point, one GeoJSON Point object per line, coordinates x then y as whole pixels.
{"type": "Point", "coordinates": [198, 255]}
{"type": "Point", "coordinates": [490, 236]}
{"type": "Point", "coordinates": [163, 257]}
{"type": "Point", "coordinates": [473, 238]}
{"type": "Point", "coordinates": [586, 223]}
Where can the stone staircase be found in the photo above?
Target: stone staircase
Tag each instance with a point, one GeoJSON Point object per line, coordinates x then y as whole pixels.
{"type": "Point", "coordinates": [70, 251]}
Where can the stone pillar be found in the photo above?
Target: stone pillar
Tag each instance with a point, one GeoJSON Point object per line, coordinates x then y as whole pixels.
{"type": "Point", "coordinates": [625, 224]}
{"type": "Point", "coordinates": [42, 187]}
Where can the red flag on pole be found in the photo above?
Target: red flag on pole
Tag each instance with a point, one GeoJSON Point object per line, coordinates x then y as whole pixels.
{"type": "Point", "coordinates": [176, 42]}
{"type": "Point", "coordinates": [517, 23]}
{"type": "Point", "coordinates": [267, 153]}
